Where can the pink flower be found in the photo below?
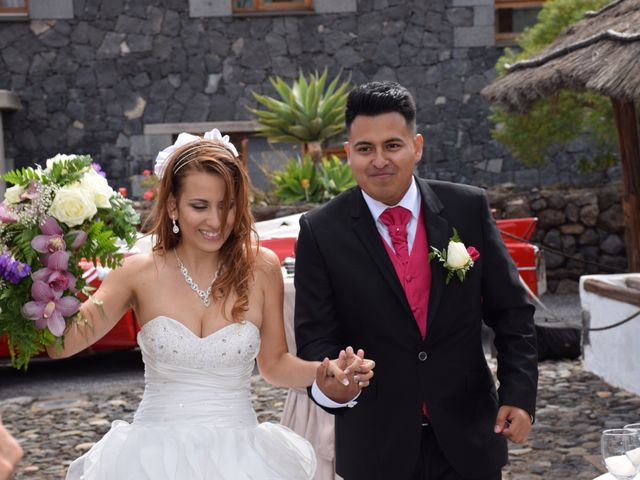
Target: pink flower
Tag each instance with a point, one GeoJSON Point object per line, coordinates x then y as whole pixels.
{"type": "Point", "coordinates": [31, 191]}
{"type": "Point", "coordinates": [49, 308]}
{"type": "Point", "coordinates": [473, 253]}
{"type": "Point", "coordinates": [78, 236]}
{"type": "Point", "coordinates": [55, 275]}
{"type": "Point", "coordinates": [6, 216]}
{"type": "Point", "coordinates": [52, 240]}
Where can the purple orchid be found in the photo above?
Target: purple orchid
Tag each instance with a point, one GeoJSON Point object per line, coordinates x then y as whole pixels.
{"type": "Point", "coordinates": [55, 275]}
{"type": "Point", "coordinates": [53, 240]}
{"type": "Point", "coordinates": [12, 270]}
{"type": "Point", "coordinates": [49, 308]}
{"type": "Point", "coordinates": [77, 238]}
{"type": "Point", "coordinates": [6, 216]}
{"type": "Point", "coordinates": [31, 192]}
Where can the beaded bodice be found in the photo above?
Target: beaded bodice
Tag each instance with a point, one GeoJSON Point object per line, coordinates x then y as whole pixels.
{"type": "Point", "coordinates": [199, 380]}
{"type": "Point", "coordinates": [169, 341]}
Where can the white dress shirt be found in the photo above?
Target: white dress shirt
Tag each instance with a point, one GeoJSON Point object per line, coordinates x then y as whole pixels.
{"type": "Point", "coordinates": [411, 201]}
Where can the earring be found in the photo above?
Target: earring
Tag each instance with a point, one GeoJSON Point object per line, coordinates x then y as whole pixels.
{"type": "Point", "coordinates": [175, 228]}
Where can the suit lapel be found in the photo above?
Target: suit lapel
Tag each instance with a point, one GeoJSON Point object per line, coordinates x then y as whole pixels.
{"type": "Point", "coordinates": [438, 237]}
{"type": "Point", "coordinates": [365, 229]}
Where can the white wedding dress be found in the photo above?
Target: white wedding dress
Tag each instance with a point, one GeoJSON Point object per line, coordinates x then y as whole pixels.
{"type": "Point", "coordinates": [195, 420]}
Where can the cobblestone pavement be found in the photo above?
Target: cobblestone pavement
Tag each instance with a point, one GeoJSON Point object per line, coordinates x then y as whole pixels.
{"type": "Point", "coordinates": [573, 407]}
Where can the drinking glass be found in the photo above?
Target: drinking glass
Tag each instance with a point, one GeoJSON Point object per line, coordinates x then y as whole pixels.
{"type": "Point", "coordinates": [616, 445]}
{"type": "Point", "coordinates": [634, 454]}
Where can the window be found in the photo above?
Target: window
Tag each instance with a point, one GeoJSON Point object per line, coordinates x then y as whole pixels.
{"type": "Point", "coordinates": [513, 16]}
{"type": "Point", "coordinates": [244, 6]}
{"type": "Point", "coordinates": [14, 8]}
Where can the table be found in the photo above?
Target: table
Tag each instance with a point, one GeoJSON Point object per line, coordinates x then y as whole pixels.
{"type": "Point", "coordinates": [608, 476]}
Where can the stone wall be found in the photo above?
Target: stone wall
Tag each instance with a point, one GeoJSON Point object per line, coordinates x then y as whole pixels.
{"type": "Point", "coordinates": [93, 83]}
{"type": "Point", "coordinates": [585, 227]}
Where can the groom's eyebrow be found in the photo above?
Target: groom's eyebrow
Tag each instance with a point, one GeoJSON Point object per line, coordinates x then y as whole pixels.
{"type": "Point", "coordinates": [367, 142]}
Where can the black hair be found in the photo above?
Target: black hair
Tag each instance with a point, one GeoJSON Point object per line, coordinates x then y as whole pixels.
{"type": "Point", "coordinates": [376, 98]}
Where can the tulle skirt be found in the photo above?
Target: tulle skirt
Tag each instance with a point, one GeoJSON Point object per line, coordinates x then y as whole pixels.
{"type": "Point", "coordinates": [265, 451]}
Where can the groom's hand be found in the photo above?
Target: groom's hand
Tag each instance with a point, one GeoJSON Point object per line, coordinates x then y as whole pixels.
{"type": "Point", "coordinates": [343, 378]}
{"type": "Point", "coordinates": [514, 423]}
{"type": "Point", "coordinates": [334, 383]}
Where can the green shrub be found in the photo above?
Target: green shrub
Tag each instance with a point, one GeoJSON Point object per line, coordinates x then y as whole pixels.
{"type": "Point", "coordinates": [305, 181]}
{"type": "Point", "coordinates": [335, 176]}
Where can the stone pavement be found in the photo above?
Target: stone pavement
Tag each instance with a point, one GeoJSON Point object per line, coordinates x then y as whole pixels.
{"type": "Point", "coordinates": [573, 407]}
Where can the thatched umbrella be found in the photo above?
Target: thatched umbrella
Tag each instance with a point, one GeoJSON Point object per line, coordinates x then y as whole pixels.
{"type": "Point", "coordinates": [601, 53]}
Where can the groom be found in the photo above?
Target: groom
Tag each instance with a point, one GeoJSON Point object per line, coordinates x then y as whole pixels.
{"type": "Point", "coordinates": [364, 277]}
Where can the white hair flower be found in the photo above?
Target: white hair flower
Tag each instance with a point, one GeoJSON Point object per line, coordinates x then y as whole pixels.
{"type": "Point", "coordinates": [184, 139]}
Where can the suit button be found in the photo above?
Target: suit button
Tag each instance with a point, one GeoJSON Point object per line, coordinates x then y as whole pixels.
{"type": "Point", "coordinates": [422, 356]}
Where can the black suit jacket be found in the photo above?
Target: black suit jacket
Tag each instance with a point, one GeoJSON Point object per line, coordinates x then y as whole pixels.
{"type": "Point", "coordinates": [347, 293]}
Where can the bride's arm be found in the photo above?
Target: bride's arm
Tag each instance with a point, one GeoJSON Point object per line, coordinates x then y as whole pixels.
{"type": "Point", "coordinates": [281, 368]}
{"type": "Point", "coordinates": [276, 364]}
{"type": "Point", "coordinates": [114, 297]}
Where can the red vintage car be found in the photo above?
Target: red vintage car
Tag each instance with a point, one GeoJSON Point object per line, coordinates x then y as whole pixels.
{"type": "Point", "coordinates": [280, 236]}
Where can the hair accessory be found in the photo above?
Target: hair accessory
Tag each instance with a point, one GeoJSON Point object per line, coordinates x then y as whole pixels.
{"type": "Point", "coordinates": [186, 138]}
{"type": "Point", "coordinates": [176, 228]}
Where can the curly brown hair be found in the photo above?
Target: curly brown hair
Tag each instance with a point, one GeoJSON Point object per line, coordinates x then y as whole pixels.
{"type": "Point", "coordinates": [238, 253]}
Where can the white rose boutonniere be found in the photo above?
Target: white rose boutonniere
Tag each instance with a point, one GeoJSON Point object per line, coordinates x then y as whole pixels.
{"type": "Point", "coordinates": [72, 206]}
{"type": "Point", "coordinates": [457, 259]}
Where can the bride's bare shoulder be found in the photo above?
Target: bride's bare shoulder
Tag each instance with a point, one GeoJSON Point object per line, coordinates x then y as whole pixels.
{"type": "Point", "coordinates": [267, 264]}
{"type": "Point", "coordinates": [266, 258]}
{"type": "Point", "coordinates": [143, 264]}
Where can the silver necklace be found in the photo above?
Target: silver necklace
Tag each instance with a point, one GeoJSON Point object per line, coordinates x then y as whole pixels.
{"type": "Point", "coordinates": [205, 295]}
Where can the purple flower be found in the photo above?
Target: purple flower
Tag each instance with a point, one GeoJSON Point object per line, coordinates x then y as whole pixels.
{"type": "Point", "coordinates": [55, 275]}
{"type": "Point", "coordinates": [52, 240]}
{"type": "Point", "coordinates": [12, 270]}
{"type": "Point", "coordinates": [77, 238]}
{"type": "Point", "coordinates": [6, 216]}
{"type": "Point", "coordinates": [98, 169]}
{"type": "Point", "coordinates": [49, 308]}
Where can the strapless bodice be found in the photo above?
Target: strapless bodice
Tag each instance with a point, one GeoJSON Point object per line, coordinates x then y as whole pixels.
{"type": "Point", "coordinates": [197, 380]}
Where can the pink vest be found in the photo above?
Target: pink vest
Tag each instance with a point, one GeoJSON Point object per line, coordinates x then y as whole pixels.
{"type": "Point", "coordinates": [415, 277]}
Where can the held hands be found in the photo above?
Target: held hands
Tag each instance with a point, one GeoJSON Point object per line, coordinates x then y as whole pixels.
{"type": "Point", "coordinates": [514, 423]}
{"type": "Point", "coordinates": [342, 379]}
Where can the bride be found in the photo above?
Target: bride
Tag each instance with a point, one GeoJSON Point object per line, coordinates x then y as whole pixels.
{"type": "Point", "coordinates": [209, 302]}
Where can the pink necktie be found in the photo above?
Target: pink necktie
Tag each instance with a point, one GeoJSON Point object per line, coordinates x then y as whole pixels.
{"type": "Point", "coordinates": [396, 219]}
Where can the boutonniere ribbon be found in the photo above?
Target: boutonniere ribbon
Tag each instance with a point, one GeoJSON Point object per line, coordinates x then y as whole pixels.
{"type": "Point", "coordinates": [456, 259]}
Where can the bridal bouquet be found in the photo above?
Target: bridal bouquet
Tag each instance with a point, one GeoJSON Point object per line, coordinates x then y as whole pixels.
{"type": "Point", "coordinates": [53, 220]}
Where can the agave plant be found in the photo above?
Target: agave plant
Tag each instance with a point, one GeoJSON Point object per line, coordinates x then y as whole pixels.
{"type": "Point", "coordinates": [308, 112]}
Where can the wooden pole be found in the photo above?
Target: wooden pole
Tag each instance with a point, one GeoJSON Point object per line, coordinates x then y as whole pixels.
{"type": "Point", "coordinates": [627, 130]}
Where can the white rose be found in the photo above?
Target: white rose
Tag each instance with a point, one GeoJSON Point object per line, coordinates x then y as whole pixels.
{"type": "Point", "coordinates": [12, 194]}
{"type": "Point", "coordinates": [58, 158]}
{"type": "Point", "coordinates": [97, 188]}
{"type": "Point", "coordinates": [457, 255]}
{"type": "Point", "coordinates": [72, 206]}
